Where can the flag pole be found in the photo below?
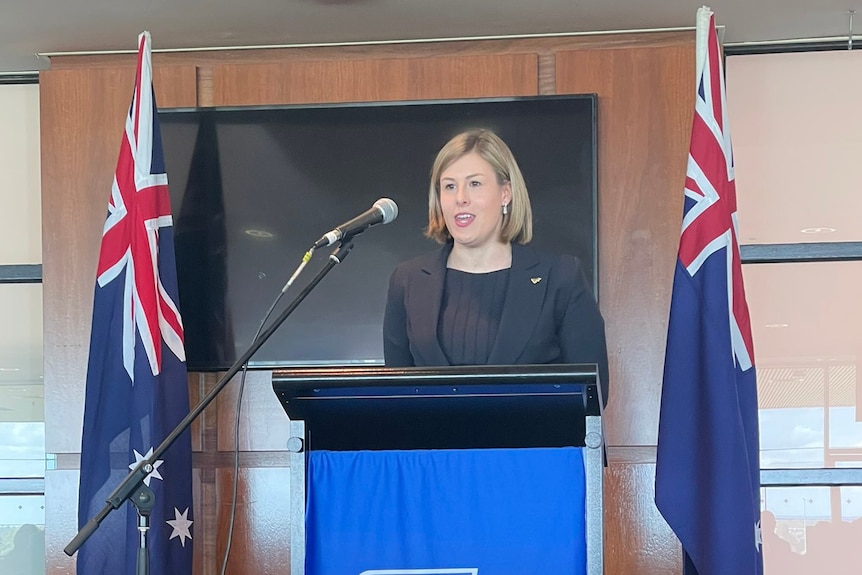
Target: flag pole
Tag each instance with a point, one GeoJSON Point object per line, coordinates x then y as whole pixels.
{"type": "Point", "coordinates": [131, 486]}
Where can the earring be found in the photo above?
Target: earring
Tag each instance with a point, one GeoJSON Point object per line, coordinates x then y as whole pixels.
{"type": "Point", "coordinates": [505, 209]}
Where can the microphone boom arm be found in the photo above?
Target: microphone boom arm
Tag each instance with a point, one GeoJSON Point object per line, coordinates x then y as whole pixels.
{"type": "Point", "coordinates": [135, 478]}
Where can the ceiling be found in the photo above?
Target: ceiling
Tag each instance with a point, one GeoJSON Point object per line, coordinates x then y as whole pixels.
{"type": "Point", "coordinates": [31, 31]}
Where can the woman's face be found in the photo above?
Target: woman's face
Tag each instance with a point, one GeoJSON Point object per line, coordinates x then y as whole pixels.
{"type": "Point", "coordinates": [472, 201]}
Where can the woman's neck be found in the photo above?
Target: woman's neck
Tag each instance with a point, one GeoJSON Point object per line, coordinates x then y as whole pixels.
{"type": "Point", "coordinates": [484, 259]}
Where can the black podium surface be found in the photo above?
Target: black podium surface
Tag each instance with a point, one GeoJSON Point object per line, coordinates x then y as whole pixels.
{"type": "Point", "coordinates": [355, 408]}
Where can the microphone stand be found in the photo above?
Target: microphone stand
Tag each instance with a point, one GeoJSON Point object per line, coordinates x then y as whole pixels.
{"type": "Point", "coordinates": [133, 486]}
{"type": "Point", "coordinates": [144, 499]}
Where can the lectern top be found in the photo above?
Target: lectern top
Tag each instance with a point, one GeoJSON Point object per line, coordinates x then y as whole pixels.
{"type": "Point", "coordinates": [441, 407]}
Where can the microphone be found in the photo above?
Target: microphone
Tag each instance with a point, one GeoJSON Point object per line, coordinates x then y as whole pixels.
{"type": "Point", "coordinates": [383, 211]}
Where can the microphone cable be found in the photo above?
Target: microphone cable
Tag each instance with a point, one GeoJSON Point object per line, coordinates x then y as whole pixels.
{"type": "Point", "coordinates": [305, 259]}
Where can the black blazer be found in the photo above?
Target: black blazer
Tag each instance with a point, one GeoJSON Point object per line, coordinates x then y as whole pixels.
{"type": "Point", "coordinates": [549, 314]}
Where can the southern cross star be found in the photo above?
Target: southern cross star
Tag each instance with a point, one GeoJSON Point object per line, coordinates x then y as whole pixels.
{"type": "Point", "coordinates": [181, 525]}
{"type": "Point", "coordinates": [155, 472]}
{"type": "Point", "coordinates": [758, 536]}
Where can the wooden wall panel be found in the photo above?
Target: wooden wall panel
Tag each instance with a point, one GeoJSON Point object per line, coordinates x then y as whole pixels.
{"type": "Point", "coordinates": [261, 538]}
{"type": "Point", "coordinates": [637, 539]}
{"type": "Point", "coordinates": [473, 77]}
{"type": "Point", "coordinates": [264, 426]}
{"type": "Point", "coordinates": [374, 80]}
{"type": "Point", "coordinates": [298, 82]}
{"type": "Point", "coordinates": [646, 99]}
{"type": "Point", "coordinates": [645, 88]}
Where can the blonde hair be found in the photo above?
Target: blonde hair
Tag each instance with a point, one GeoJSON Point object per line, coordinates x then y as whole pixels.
{"type": "Point", "coordinates": [518, 223]}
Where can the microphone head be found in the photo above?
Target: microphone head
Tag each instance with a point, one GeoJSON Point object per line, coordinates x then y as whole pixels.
{"type": "Point", "coordinates": [388, 208]}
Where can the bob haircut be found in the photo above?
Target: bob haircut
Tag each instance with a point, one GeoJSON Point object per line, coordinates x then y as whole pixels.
{"type": "Point", "coordinates": [518, 223]}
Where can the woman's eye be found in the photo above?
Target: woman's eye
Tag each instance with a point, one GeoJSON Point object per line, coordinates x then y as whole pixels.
{"type": "Point", "coordinates": [475, 183]}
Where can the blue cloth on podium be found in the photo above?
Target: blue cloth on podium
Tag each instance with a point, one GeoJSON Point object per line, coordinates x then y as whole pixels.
{"type": "Point", "coordinates": [471, 511]}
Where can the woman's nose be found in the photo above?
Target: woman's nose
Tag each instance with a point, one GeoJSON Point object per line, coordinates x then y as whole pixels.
{"type": "Point", "coordinates": [461, 195]}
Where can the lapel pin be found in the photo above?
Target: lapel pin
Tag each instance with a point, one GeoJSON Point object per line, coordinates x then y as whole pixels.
{"type": "Point", "coordinates": [535, 280]}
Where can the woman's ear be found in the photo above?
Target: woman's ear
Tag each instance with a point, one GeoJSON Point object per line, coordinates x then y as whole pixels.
{"type": "Point", "coordinates": [507, 193]}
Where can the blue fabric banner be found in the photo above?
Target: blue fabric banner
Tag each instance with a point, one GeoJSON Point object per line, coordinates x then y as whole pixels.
{"type": "Point", "coordinates": [483, 511]}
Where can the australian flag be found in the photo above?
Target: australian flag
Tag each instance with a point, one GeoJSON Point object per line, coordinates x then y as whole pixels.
{"type": "Point", "coordinates": [136, 377]}
{"type": "Point", "coordinates": [707, 470]}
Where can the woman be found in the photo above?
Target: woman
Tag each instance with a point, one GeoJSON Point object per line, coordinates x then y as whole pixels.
{"type": "Point", "coordinates": [484, 297]}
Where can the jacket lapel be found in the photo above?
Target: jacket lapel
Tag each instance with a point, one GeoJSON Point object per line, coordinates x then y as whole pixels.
{"type": "Point", "coordinates": [425, 304]}
{"type": "Point", "coordinates": [528, 281]}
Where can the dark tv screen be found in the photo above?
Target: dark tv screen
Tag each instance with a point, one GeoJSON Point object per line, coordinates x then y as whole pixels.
{"type": "Point", "coordinates": [253, 188]}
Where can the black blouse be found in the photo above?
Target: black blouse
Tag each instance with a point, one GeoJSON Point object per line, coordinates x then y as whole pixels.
{"type": "Point", "coordinates": [470, 315]}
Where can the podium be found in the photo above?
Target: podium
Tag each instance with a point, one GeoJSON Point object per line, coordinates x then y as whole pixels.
{"type": "Point", "coordinates": [476, 407]}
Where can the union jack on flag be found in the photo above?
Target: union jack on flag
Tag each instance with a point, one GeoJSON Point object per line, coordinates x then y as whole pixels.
{"type": "Point", "coordinates": [708, 465]}
{"type": "Point", "coordinates": [136, 389]}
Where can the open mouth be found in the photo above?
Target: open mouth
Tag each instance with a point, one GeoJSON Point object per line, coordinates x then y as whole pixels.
{"type": "Point", "coordinates": [464, 219]}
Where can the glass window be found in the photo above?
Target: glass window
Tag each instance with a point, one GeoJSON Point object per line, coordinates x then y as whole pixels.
{"type": "Point", "coordinates": [795, 124]}
{"type": "Point", "coordinates": [21, 385]}
{"type": "Point", "coordinates": [20, 191]}
{"type": "Point", "coordinates": [805, 314]}
{"type": "Point", "coordinates": [807, 328]}
{"type": "Point", "coordinates": [22, 390]}
{"type": "Point", "coordinates": [811, 530]}
{"type": "Point", "coordinates": [22, 449]}
{"type": "Point", "coordinates": [795, 156]}
{"type": "Point", "coordinates": [22, 535]}
{"type": "Point", "coordinates": [22, 413]}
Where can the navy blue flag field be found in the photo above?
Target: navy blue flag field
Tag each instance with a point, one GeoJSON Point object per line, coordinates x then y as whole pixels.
{"type": "Point", "coordinates": [136, 376]}
{"type": "Point", "coordinates": [707, 483]}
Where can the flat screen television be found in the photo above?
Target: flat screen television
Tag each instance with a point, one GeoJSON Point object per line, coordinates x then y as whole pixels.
{"type": "Point", "coordinates": [253, 188]}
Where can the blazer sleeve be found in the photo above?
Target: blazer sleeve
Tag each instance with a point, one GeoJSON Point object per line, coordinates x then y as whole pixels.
{"type": "Point", "coordinates": [582, 331]}
{"type": "Point", "coordinates": [396, 345]}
